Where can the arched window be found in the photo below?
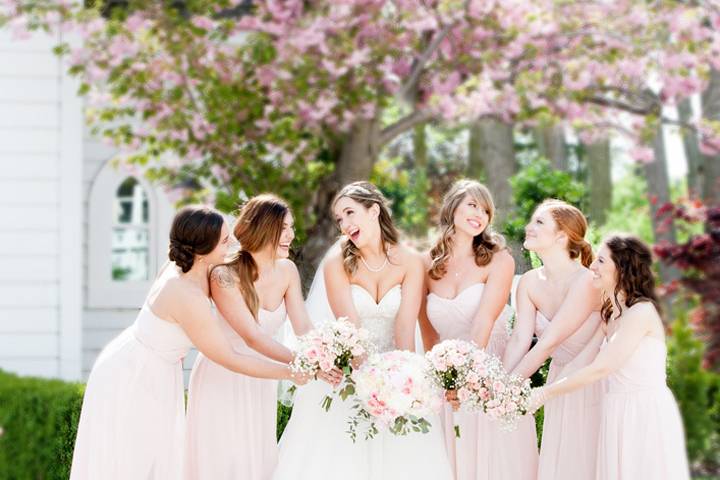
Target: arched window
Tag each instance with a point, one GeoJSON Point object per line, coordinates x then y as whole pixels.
{"type": "Point", "coordinates": [127, 237]}
{"type": "Point", "coordinates": [131, 233]}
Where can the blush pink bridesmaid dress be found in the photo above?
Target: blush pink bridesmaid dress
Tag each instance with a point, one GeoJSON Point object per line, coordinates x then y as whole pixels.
{"type": "Point", "coordinates": [483, 451]}
{"type": "Point", "coordinates": [133, 414]}
{"type": "Point", "coordinates": [641, 433]}
{"type": "Point", "coordinates": [231, 418]}
{"type": "Point", "coordinates": [569, 445]}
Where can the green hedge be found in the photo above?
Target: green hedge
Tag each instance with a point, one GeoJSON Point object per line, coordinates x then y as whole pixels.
{"type": "Point", "coordinates": [39, 421]}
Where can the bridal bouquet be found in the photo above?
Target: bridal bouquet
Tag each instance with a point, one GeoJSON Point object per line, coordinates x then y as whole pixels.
{"type": "Point", "coordinates": [334, 344]}
{"type": "Point", "coordinates": [394, 393]}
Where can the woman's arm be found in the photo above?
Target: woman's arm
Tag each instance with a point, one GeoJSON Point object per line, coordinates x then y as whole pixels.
{"type": "Point", "coordinates": [294, 302]}
{"type": "Point", "coordinates": [232, 306]}
{"type": "Point", "coordinates": [412, 293]}
{"type": "Point", "coordinates": [429, 335]}
{"type": "Point", "coordinates": [494, 297]}
{"type": "Point", "coordinates": [337, 285]}
{"type": "Point", "coordinates": [524, 327]}
{"type": "Point", "coordinates": [579, 303]}
{"type": "Point", "coordinates": [193, 313]}
{"type": "Point", "coordinates": [636, 325]}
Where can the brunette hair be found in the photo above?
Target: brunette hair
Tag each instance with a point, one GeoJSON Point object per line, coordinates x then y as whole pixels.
{"type": "Point", "coordinates": [634, 274]}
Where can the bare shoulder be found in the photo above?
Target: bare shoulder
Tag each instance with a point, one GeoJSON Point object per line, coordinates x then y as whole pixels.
{"type": "Point", "coordinates": [405, 255]}
{"type": "Point", "coordinates": [530, 278]}
{"type": "Point", "coordinates": [644, 311]}
{"type": "Point", "coordinates": [334, 261]}
{"type": "Point", "coordinates": [582, 281]}
{"type": "Point", "coordinates": [177, 294]}
{"type": "Point", "coordinates": [223, 276]}
{"type": "Point", "coordinates": [426, 259]}
{"type": "Point", "coordinates": [287, 266]}
{"type": "Point", "coordinates": [503, 261]}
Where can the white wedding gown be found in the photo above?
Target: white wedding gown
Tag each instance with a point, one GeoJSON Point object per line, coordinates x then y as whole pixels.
{"type": "Point", "coordinates": [316, 445]}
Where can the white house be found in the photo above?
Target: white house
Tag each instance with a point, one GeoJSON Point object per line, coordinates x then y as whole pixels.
{"type": "Point", "coordinates": [80, 240]}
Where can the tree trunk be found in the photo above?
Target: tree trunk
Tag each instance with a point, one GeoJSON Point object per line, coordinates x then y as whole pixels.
{"type": "Point", "coordinates": [492, 151]}
{"type": "Point", "coordinates": [551, 145]}
{"type": "Point", "coordinates": [658, 190]}
{"type": "Point", "coordinates": [692, 153]}
{"type": "Point", "coordinates": [710, 169]}
{"type": "Point", "coordinates": [355, 159]}
{"type": "Point", "coordinates": [420, 147]}
{"type": "Point", "coordinates": [599, 177]}
{"type": "Point", "coordinates": [475, 169]}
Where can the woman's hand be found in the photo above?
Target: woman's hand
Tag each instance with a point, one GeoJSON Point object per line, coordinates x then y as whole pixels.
{"type": "Point", "coordinates": [452, 399]}
{"type": "Point", "coordinates": [300, 378]}
{"type": "Point", "coordinates": [538, 397]}
{"type": "Point", "coordinates": [333, 377]}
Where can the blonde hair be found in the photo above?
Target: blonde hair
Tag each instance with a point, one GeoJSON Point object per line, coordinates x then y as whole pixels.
{"type": "Point", "coordinates": [484, 245]}
{"type": "Point", "coordinates": [367, 195]}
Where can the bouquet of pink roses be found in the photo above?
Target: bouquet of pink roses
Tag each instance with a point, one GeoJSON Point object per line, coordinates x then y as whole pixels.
{"type": "Point", "coordinates": [490, 389]}
{"type": "Point", "coordinates": [333, 345]}
{"type": "Point", "coordinates": [450, 362]}
{"type": "Point", "coordinates": [394, 392]}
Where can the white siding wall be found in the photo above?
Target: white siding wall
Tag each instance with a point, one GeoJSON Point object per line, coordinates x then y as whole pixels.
{"type": "Point", "coordinates": [40, 160]}
{"type": "Point", "coordinates": [107, 311]}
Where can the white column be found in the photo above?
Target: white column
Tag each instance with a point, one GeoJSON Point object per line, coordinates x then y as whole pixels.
{"type": "Point", "coordinates": [70, 209]}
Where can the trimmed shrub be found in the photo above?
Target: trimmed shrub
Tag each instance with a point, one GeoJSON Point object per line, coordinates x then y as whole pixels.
{"type": "Point", "coordinates": [39, 420]}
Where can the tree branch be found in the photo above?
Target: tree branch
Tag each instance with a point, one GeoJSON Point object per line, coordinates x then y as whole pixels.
{"type": "Point", "coordinates": [422, 61]}
{"type": "Point", "coordinates": [389, 133]}
{"type": "Point", "coordinates": [240, 10]}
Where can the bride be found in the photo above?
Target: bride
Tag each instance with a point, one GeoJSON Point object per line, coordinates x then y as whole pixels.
{"type": "Point", "coordinates": [377, 283]}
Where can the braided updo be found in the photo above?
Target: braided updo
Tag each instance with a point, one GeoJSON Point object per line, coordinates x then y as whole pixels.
{"type": "Point", "coordinates": [195, 231]}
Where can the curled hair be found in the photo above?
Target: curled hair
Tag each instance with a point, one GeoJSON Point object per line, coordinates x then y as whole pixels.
{"type": "Point", "coordinates": [259, 224]}
{"type": "Point", "coordinates": [195, 231]}
{"type": "Point", "coordinates": [484, 245]}
{"type": "Point", "coordinates": [633, 273]}
{"type": "Point", "coordinates": [367, 195]}
{"type": "Point", "coordinates": [571, 220]}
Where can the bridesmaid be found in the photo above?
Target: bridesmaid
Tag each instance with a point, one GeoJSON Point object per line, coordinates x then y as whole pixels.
{"type": "Point", "coordinates": [559, 303]}
{"type": "Point", "coordinates": [641, 433]}
{"type": "Point", "coordinates": [469, 275]}
{"type": "Point", "coordinates": [133, 415]}
{"type": "Point", "coordinates": [232, 417]}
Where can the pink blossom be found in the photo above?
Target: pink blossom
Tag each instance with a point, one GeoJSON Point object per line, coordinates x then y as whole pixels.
{"type": "Point", "coordinates": [642, 154]}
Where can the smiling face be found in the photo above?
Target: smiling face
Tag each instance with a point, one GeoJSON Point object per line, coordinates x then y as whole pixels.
{"type": "Point", "coordinates": [471, 216]}
{"type": "Point", "coordinates": [604, 271]}
{"type": "Point", "coordinates": [542, 233]}
{"type": "Point", "coordinates": [217, 255]}
{"type": "Point", "coordinates": [359, 223]}
{"type": "Point", "coordinates": [286, 236]}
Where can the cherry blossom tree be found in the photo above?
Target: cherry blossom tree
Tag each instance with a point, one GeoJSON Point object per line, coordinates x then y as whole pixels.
{"type": "Point", "coordinates": [290, 95]}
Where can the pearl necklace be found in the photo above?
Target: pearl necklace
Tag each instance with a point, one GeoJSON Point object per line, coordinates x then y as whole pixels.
{"type": "Point", "coordinates": [375, 270]}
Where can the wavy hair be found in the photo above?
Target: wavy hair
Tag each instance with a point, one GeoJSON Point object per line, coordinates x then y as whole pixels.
{"type": "Point", "coordinates": [367, 195]}
{"type": "Point", "coordinates": [634, 274]}
{"type": "Point", "coordinates": [484, 245]}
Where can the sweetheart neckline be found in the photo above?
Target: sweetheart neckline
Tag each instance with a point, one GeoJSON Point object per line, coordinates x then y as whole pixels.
{"type": "Point", "coordinates": [371, 295]}
{"type": "Point", "coordinates": [449, 299]}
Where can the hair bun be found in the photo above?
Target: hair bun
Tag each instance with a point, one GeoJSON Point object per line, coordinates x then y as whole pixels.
{"type": "Point", "coordinates": [182, 254]}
